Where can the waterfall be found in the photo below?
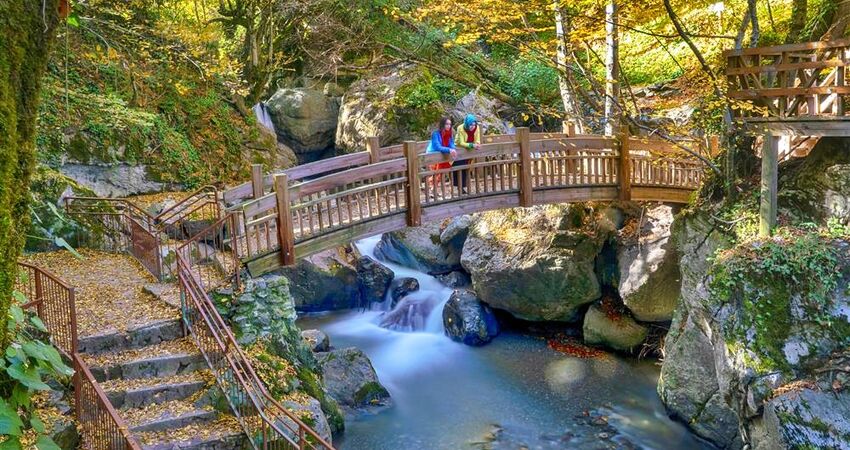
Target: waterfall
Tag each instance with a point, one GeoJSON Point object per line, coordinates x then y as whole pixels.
{"type": "Point", "coordinates": [261, 112]}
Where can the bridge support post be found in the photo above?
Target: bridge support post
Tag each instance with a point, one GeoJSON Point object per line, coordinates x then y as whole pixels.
{"type": "Point", "coordinates": [257, 180]}
{"type": "Point", "coordinates": [526, 189]}
{"type": "Point", "coordinates": [373, 146]}
{"type": "Point", "coordinates": [769, 184]}
{"type": "Point", "coordinates": [624, 170]}
{"type": "Point", "coordinates": [285, 232]}
{"type": "Point", "coordinates": [413, 191]}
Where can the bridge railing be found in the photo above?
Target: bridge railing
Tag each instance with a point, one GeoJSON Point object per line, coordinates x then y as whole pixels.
{"type": "Point", "coordinates": [807, 79]}
{"type": "Point", "coordinates": [514, 168]}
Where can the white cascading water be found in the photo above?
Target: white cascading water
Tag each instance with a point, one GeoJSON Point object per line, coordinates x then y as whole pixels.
{"type": "Point", "coordinates": [416, 340]}
{"type": "Point", "coordinates": [263, 117]}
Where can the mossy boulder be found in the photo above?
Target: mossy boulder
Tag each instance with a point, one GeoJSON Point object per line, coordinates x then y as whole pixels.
{"type": "Point", "coordinates": [807, 418]}
{"type": "Point", "coordinates": [350, 378]}
{"type": "Point", "coordinates": [305, 119]}
{"type": "Point", "coordinates": [817, 188]}
{"type": "Point", "coordinates": [325, 281]}
{"type": "Point", "coordinates": [420, 248]}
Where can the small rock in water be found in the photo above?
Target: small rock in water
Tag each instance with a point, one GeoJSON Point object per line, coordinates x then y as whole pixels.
{"type": "Point", "coordinates": [468, 320]}
{"type": "Point", "coordinates": [350, 378]}
{"type": "Point", "coordinates": [374, 279]}
{"type": "Point", "coordinates": [316, 340]}
{"type": "Point", "coordinates": [455, 279]}
{"type": "Point", "coordinates": [401, 287]}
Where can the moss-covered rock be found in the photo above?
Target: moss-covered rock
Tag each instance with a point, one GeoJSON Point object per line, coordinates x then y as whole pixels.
{"type": "Point", "coordinates": [613, 329]}
{"type": "Point", "coordinates": [351, 379]}
{"type": "Point", "coordinates": [325, 281]}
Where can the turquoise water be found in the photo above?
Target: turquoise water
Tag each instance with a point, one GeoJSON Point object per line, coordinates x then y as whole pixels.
{"type": "Point", "coordinates": [512, 393]}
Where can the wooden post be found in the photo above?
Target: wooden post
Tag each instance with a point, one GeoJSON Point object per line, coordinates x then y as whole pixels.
{"type": "Point", "coordinates": [373, 146]}
{"type": "Point", "coordinates": [713, 145]}
{"type": "Point", "coordinates": [624, 171]}
{"type": "Point", "coordinates": [412, 188]}
{"type": "Point", "coordinates": [285, 232]}
{"type": "Point", "coordinates": [526, 190]}
{"type": "Point", "coordinates": [769, 184]}
{"type": "Point", "coordinates": [257, 180]}
{"type": "Point", "coordinates": [568, 127]}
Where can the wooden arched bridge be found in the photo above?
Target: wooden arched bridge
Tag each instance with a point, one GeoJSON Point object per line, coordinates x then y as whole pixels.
{"type": "Point", "coordinates": [336, 201]}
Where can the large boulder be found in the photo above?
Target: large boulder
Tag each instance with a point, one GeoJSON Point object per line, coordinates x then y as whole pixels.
{"type": "Point", "coordinates": [325, 281]}
{"type": "Point", "coordinates": [115, 180]}
{"type": "Point", "coordinates": [419, 248]}
{"type": "Point", "coordinates": [648, 266]}
{"type": "Point", "coordinates": [535, 263]}
{"type": "Point", "coordinates": [486, 112]}
{"type": "Point", "coordinates": [367, 111]}
{"type": "Point", "coordinates": [467, 320]}
{"type": "Point", "coordinates": [374, 278]}
{"type": "Point", "coordinates": [305, 119]}
{"type": "Point", "coordinates": [608, 327]}
{"type": "Point", "coordinates": [350, 378]}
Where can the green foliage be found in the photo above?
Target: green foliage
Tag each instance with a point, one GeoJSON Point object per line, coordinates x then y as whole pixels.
{"type": "Point", "coordinates": [530, 82]}
{"type": "Point", "coordinates": [421, 100]}
{"type": "Point", "coordinates": [764, 277]}
{"type": "Point", "coordinates": [26, 365]}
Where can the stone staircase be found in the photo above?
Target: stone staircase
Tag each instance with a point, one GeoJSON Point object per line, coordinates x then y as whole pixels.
{"type": "Point", "coordinates": [161, 386]}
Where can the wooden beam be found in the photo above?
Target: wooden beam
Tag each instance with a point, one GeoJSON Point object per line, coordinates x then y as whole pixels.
{"type": "Point", "coordinates": [286, 234]}
{"type": "Point", "coordinates": [526, 193]}
{"type": "Point", "coordinates": [769, 184]}
{"type": "Point", "coordinates": [373, 146]}
{"type": "Point", "coordinates": [625, 169]}
{"type": "Point", "coordinates": [412, 189]}
{"type": "Point", "coordinates": [257, 180]}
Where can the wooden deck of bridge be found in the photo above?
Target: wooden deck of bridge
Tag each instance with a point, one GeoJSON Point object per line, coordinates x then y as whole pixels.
{"type": "Point", "coordinates": [793, 90]}
{"type": "Point", "coordinates": [385, 189]}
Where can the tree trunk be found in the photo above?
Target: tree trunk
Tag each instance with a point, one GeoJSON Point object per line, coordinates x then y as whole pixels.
{"type": "Point", "coordinates": [754, 20]}
{"type": "Point", "coordinates": [27, 31]}
{"type": "Point", "coordinates": [840, 20]}
{"type": "Point", "coordinates": [799, 16]}
{"type": "Point", "coordinates": [565, 83]}
{"type": "Point", "coordinates": [612, 69]}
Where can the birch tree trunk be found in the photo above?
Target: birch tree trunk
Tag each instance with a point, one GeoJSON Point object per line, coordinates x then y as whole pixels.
{"type": "Point", "coordinates": [563, 27]}
{"type": "Point", "coordinates": [612, 69]}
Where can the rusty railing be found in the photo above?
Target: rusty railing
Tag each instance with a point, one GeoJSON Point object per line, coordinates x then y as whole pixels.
{"type": "Point", "coordinates": [53, 301]}
{"type": "Point", "coordinates": [100, 425]}
{"type": "Point", "coordinates": [267, 424]}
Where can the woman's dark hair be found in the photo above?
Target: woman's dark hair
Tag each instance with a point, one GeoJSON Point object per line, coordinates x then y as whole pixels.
{"type": "Point", "coordinates": [443, 121]}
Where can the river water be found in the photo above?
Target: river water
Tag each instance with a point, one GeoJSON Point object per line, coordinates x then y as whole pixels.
{"type": "Point", "coordinates": [512, 393]}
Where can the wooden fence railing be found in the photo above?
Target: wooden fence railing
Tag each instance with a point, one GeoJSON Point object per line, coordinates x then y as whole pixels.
{"type": "Point", "coordinates": [808, 79]}
{"type": "Point", "coordinates": [53, 301]}
{"type": "Point", "coordinates": [516, 170]}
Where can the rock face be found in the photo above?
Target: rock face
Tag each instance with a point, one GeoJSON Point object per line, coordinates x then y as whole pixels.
{"type": "Point", "coordinates": [350, 378]}
{"type": "Point", "coordinates": [316, 340]}
{"type": "Point", "coordinates": [374, 279]}
{"type": "Point", "coordinates": [817, 188]}
{"type": "Point", "coordinates": [323, 282]}
{"type": "Point", "coordinates": [119, 180]}
{"type": "Point", "coordinates": [723, 362]}
{"type": "Point", "coordinates": [305, 119]}
{"type": "Point", "coordinates": [615, 330]}
{"type": "Point", "coordinates": [419, 248]}
{"type": "Point", "coordinates": [468, 320]}
{"type": "Point", "coordinates": [807, 419]}
{"type": "Point", "coordinates": [648, 267]}
{"type": "Point", "coordinates": [533, 262]}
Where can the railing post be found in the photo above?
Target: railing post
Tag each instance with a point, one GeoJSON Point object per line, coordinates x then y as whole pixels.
{"type": "Point", "coordinates": [413, 191]}
{"type": "Point", "coordinates": [373, 146]}
{"type": "Point", "coordinates": [257, 180]}
{"type": "Point", "coordinates": [713, 145]}
{"type": "Point", "coordinates": [624, 171]}
{"type": "Point", "coordinates": [285, 232]}
{"type": "Point", "coordinates": [769, 184]}
{"type": "Point", "coordinates": [526, 193]}
{"type": "Point", "coordinates": [39, 293]}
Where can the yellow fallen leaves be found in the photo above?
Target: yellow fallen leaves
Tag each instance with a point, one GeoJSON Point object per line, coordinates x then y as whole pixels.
{"type": "Point", "coordinates": [109, 290]}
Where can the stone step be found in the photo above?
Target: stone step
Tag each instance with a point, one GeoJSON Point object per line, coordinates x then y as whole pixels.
{"type": "Point", "coordinates": [161, 360]}
{"type": "Point", "coordinates": [137, 393]}
{"type": "Point", "coordinates": [224, 433]}
{"type": "Point", "coordinates": [172, 416]}
{"type": "Point", "coordinates": [143, 336]}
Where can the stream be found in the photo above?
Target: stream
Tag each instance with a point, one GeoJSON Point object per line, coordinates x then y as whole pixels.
{"type": "Point", "coordinates": [512, 393]}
